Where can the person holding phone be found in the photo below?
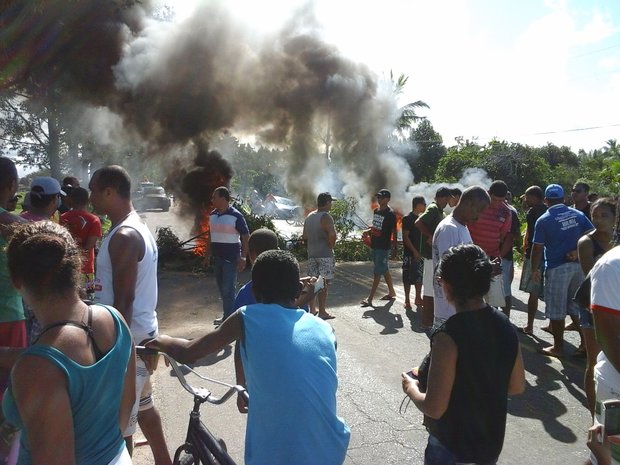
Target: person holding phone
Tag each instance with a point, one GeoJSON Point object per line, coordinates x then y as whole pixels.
{"type": "Point", "coordinates": [475, 363]}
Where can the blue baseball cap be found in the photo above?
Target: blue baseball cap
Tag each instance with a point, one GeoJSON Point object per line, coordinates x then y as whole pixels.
{"type": "Point", "coordinates": [554, 191]}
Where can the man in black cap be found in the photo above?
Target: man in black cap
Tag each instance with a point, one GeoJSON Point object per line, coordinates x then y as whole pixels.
{"type": "Point", "coordinates": [383, 238]}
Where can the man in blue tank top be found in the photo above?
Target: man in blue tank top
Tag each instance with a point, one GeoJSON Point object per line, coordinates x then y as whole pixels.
{"type": "Point", "coordinates": [289, 359]}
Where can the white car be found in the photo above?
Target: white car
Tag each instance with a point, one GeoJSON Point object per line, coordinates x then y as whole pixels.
{"type": "Point", "coordinates": [281, 207]}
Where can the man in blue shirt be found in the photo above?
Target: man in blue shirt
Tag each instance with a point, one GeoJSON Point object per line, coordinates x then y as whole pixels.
{"type": "Point", "coordinates": [557, 232]}
{"type": "Point", "coordinates": [289, 359]}
{"type": "Point", "coordinates": [228, 245]}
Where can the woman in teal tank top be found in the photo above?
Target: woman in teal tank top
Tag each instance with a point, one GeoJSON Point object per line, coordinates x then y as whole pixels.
{"type": "Point", "coordinates": [72, 391]}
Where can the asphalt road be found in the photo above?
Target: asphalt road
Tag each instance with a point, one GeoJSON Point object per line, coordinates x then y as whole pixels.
{"type": "Point", "coordinates": [546, 425]}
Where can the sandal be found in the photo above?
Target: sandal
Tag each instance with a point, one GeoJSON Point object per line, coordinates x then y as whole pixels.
{"type": "Point", "coordinates": [366, 303]}
{"type": "Point", "coordinates": [388, 297]}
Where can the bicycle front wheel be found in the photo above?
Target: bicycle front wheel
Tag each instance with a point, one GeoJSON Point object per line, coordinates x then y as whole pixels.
{"type": "Point", "coordinates": [182, 457]}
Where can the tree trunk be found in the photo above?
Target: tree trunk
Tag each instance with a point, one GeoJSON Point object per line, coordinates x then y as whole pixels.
{"type": "Point", "coordinates": [53, 151]}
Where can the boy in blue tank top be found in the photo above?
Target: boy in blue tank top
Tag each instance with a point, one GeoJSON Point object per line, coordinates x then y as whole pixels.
{"type": "Point", "coordinates": [289, 360]}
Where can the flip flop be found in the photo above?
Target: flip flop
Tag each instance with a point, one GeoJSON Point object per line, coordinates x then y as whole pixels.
{"type": "Point", "coordinates": [524, 330]}
{"type": "Point", "coordinates": [388, 297]}
{"type": "Point", "coordinates": [327, 316]}
{"type": "Point", "coordinates": [548, 353]}
{"type": "Point", "coordinates": [365, 303]}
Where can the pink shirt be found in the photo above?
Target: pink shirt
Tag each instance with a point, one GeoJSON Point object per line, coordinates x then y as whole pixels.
{"type": "Point", "coordinates": [493, 224]}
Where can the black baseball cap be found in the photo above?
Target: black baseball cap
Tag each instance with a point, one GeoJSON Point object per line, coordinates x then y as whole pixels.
{"type": "Point", "coordinates": [384, 193]}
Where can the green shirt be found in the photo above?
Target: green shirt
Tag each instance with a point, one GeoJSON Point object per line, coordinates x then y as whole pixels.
{"type": "Point", "coordinates": [11, 308]}
{"type": "Point", "coordinates": [431, 217]}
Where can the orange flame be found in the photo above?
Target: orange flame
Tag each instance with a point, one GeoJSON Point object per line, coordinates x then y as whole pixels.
{"type": "Point", "coordinates": [201, 228]}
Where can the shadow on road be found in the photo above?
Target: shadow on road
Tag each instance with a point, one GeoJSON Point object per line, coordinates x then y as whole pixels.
{"type": "Point", "coordinates": [382, 315]}
{"type": "Point", "coordinates": [543, 399]}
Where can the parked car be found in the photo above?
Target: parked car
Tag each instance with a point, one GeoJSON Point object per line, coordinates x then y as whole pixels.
{"type": "Point", "coordinates": [281, 207]}
{"type": "Point", "coordinates": [151, 197]}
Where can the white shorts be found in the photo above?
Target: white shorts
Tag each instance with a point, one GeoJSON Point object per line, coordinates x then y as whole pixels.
{"type": "Point", "coordinates": [607, 382]}
{"type": "Point", "coordinates": [122, 458]}
{"type": "Point", "coordinates": [325, 266]}
{"type": "Point", "coordinates": [427, 279]}
{"type": "Point", "coordinates": [144, 396]}
{"type": "Point", "coordinates": [496, 297]}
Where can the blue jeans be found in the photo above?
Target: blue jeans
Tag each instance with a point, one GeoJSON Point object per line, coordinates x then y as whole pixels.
{"type": "Point", "coordinates": [437, 454]}
{"type": "Point", "coordinates": [226, 278]}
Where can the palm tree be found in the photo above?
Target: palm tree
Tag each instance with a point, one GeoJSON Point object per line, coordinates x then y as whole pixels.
{"type": "Point", "coordinates": [612, 148]}
{"type": "Point", "coordinates": [408, 116]}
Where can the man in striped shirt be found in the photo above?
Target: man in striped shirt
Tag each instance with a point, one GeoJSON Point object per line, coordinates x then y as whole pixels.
{"type": "Point", "coordinates": [228, 245]}
{"type": "Point", "coordinates": [489, 233]}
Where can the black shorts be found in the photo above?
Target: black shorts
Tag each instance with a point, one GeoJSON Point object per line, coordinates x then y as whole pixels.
{"type": "Point", "coordinates": [413, 270]}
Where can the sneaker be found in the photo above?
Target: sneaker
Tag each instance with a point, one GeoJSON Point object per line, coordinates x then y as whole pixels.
{"type": "Point", "coordinates": [218, 321]}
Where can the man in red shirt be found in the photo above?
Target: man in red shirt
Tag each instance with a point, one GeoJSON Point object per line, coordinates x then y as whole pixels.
{"type": "Point", "coordinates": [489, 233]}
{"type": "Point", "coordinates": [85, 229]}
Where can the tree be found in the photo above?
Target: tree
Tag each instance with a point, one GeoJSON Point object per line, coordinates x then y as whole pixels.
{"type": "Point", "coordinates": [407, 113]}
{"type": "Point", "coordinates": [428, 151]}
{"type": "Point", "coordinates": [612, 148]}
{"type": "Point", "coordinates": [457, 159]}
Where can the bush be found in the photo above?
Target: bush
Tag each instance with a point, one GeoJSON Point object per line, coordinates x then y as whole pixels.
{"type": "Point", "coordinates": [351, 251]}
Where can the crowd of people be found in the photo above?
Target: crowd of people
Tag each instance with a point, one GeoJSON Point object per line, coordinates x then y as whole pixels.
{"type": "Point", "coordinates": [562, 247]}
{"type": "Point", "coordinates": [73, 318]}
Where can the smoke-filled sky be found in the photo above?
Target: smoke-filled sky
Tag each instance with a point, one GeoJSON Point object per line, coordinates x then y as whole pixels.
{"type": "Point", "coordinates": [276, 71]}
{"type": "Point", "coordinates": [529, 72]}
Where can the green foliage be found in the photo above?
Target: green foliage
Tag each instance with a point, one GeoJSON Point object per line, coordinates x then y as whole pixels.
{"type": "Point", "coordinates": [428, 152]}
{"type": "Point", "coordinates": [456, 160]}
{"type": "Point", "coordinates": [342, 212]}
{"type": "Point", "coordinates": [168, 243]}
{"type": "Point", "coordinates": [351, 251]}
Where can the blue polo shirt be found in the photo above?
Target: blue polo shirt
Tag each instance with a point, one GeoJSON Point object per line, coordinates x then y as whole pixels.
{"type": "Point", "coordinates": [226, 229]}
{"type": "Point", "coordinates": [558, 230]}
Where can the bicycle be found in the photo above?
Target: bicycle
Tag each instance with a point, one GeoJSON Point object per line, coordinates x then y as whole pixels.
{"type": "Point", "coordinates": [200, 446]}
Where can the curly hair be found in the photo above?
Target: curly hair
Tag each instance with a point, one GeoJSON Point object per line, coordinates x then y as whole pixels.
{"type": "Point", "coordinates": [467, 269]}
{"type": "Point", "coordinates": [275, 276]}
{"type": "Point", "coordinates": [44, 257]}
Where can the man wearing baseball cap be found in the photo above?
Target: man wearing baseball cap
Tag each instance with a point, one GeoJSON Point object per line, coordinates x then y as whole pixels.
{"type": "Point", "coordinates": [557, 232]}
{"type": "Point", "coordinates": [45, 193]}
{"type": "Point", "coordinates": [382, 239]}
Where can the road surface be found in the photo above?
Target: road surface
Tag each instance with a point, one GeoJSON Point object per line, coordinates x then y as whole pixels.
{"type": "Point", "coordinates": [546, 425]}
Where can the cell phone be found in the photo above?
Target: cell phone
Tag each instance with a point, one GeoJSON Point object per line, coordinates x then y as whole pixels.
{"type": "Point", "coordinates": [611, 417]}
{"type": "Point", "coordinates": [319, 284]}
{"type": "Point", "coordinates": [413, 373]}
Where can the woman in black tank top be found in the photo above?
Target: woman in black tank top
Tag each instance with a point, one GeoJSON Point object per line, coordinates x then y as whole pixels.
{"type": "Point", "coordinates": [590, 248]}
{"type": "Point", "coordinates": [475, 364]}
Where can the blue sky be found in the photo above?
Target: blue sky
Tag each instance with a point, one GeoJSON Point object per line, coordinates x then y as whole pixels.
{"type": "Point", "coordinates": [487, 68]}
{"type": "Point", "coordinates": [501, 69]}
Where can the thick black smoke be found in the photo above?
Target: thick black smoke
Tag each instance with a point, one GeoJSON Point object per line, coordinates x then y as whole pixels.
{"type": "Point", "coordinates": [174, 82]}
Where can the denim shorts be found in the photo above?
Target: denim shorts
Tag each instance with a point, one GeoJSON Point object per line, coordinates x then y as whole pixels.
{"type": "Point", "coordinates": [438, 454]}
{"type": "Point", "coordinates": [585, 319]}
{"type": "Point", "coordinates": [380, 260]}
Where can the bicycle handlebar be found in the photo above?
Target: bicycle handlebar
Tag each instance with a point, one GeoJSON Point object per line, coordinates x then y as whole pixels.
{"type": "Point", "coordinates": [202, 393]}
